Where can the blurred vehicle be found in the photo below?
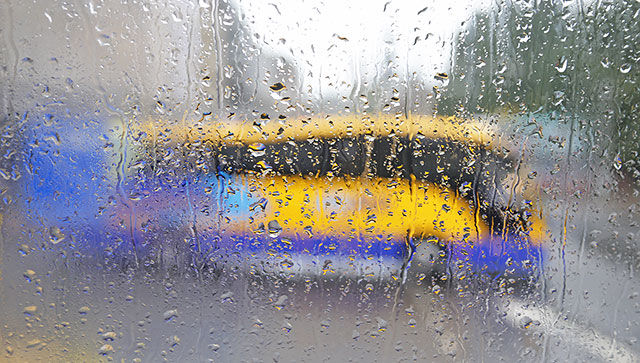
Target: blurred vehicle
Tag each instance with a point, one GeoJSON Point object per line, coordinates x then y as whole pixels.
{"type": "Point", "coordinates": [345, 195]}
{"type": "Point", "coordinates": [348, 195]}
{"type": "Point", "coordinates": [356, 196]}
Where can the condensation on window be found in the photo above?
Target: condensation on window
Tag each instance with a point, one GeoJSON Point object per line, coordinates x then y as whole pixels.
{"type": "Point", "coordinates": [235, 180]}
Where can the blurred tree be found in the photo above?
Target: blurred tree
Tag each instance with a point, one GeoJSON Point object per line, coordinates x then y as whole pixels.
{"type": "Point", "coordinates": [572, 59]}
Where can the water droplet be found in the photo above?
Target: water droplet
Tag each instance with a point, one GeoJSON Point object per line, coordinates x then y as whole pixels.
{"type": "Point", "coordinates": [48, 119]}
{"type": "Point", "coordinates": [262, 204]}
{"type": "Point", "coordinates": [274, 228]}
{"type": "Point", "coordinates": [257, 149]}
{"type": "Point", "coordinates": [436, 289]}
{"type": "Point", "coordinates": [106, 349]}
{"type": "Point", "coordinates": [625, 68]}
{"type": "Point", "coordinates": [287, 264]}
{"type": "Point", "coordinates": [523, 38]}
{"type": "Point", "coordinates": [30, 310]}
{"type": "Point", "coordinates": [286, 326]}
{"type": "Point", "coordinates": [55, 235]}
{"type": "Point", "coordinates": [355, 335]}
{"type": "Point", "coordinates": [309, 231]}
{"type": "Point", "coordinates": [441, 76]}
{"type": "Point", "coordinates": [227, 296]}
{"type": "Point", "coordinates": [258, 323]}
{"type": "Point", "coordinates": [617, 163]}
{"type": "Point", "coordinates": [170, 314]}
{"type": "Point", "coordinates": [345, 39]}
{"type": "Point", "coordinates": [33, 343]}
{"type": "Point", "coordinates": [277, 87]}
{"type": "Point", "coordinates": [561, 66]}
{"type": "Point", "coordinates": [262, 165]}
{"type": "Point", "coordinates": [281, 302]}
{"type": "Point", "coordinates": [176, 16]}
{"type": "Point", "coordinates": [526, 322]}
{"type": "Point", "coordinates": [325, 324]}
{"type": "Point", "coordinates": [29, 274]}
{"type": "Point", "coordinates": [326, 266]}
{"type": "Point", "coordinates": [260, 230]}
{"type": "Point", "coordinates": [111, 336]}
{"type": "Point", "coordinates": [371, 219]}
{"type": "Point", "coordinates": [24, 250]}
{"type": "Point", "coordinates": [45, 91]}
{"type": "Point", "coordinates": [160, 108]}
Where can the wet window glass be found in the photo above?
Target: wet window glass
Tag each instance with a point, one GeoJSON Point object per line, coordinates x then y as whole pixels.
{"type": "Point", "coordinates": [238, 180]}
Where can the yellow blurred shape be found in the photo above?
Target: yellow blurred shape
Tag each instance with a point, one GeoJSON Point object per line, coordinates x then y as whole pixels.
{"type": "Point", "coordinates": [379, 208]}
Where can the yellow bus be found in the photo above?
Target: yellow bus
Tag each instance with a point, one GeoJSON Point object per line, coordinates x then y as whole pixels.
{"type": "Point", "coordinates": [346, 195]}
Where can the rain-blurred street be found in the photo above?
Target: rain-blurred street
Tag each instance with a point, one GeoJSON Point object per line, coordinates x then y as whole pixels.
{"type": "Point", "coordinates": [239, 181]}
